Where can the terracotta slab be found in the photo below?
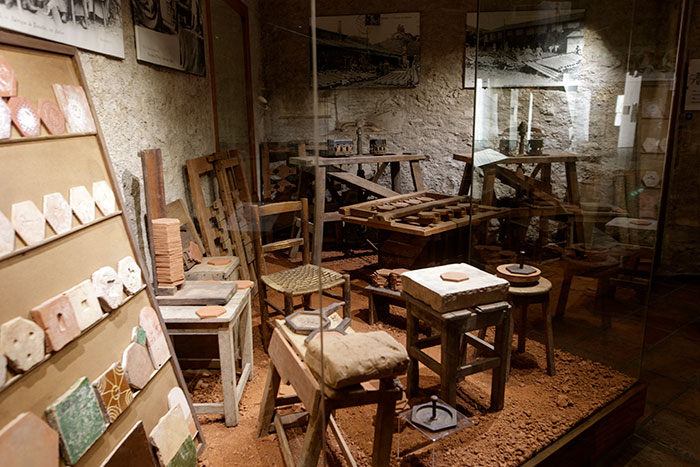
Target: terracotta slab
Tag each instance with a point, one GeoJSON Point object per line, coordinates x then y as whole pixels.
{"type": "Point", "coordinates": [77, 417]}
{"type": "Point", "coordinates": [85, 303]}
{"type": "Point", "coordinates": [108, 288]}
{"type": "Point", "coordinates": [157, 345]}
{"type": "Point", "coordinates": [8, 79]}
{"type": "Point", "coordinates": [74, 105]}
{"type": "Point", "coordinates": [243, 284]}
{"type": "Point", "coordinates": [22, 342]}
{"type": "Point", "coordinates": [3, 369]}
{"type": "Point", "coordinates": [442, 296]}
{"type": "Point", "coordinates": [82, 204]}
{"type": "Point", "coordinates": [130, 274]}
{"type": "Point", "coordinates": [5, 120]}
{"type": "Point", "coordinates": [169, 436]}
{"type": "Point", "coordinates": [24, 116]}
{"type": "Point", "coordinates": [52, 117]}
{"type": "Point", "coordinates": [58, 320]}
{"type": "Point", "coordinates": [104, 197]}
{"type": "Point", "coordinates": [133, 450]}
{"type": "Point", "coordinates": [138, 335]}
{"type": "Point", "coordinates": [7, 235]}
{"type": "Point", "coordinates": [114, 392]}
{"type": "Point", "coordinates": [211, 311]}
{"type": "Point", "coordinates": [219, 261]}
{"type": "Point", "coordinates": [177, 397]}
{"type": "Point", "coordinates": [58, 212]}
{"type": "Point", "coordinates": [137, 365]}
{"type": "Point", "coordinates": [196, 253]}
{"type": "Point", "coordinates": [28, 441]}
{"type": "Point", "coordinates": [28, 222]}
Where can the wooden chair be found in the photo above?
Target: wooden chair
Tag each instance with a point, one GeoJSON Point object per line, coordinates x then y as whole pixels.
{"type": "Point", "coordinates": [301, 281]}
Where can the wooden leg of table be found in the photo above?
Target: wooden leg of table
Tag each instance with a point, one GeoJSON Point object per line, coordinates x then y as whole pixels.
{"type": "Point", "coordinates": [417, 174]}
{"type": "Point", "coordinates": [411, 338]}
{"type": "Point", "coordinates": [267, 406]}
{"type": "Point", "coordinates": [395, 172]}
{"type": "Point", "coordinates": [487, 194]}
{"type": "Point", "coordinates": [313, 438]}
{"type": "Point", "coordinates": [564, 293]}
{"type": "Point", "coordinates": [499, 374]}
{"type": "Point", "coordinates": [384, 425]}
{"type": "Point", "coordinates": [245, 334]}
{"type": "Point", "coordinates": [522, 330]}
{"type": "Point", "coordinates": [511, 328]}
{"type": "Point", "coordinates": [466, 183]}
{"type": "Point", "coordinates": [347, 308]}
{"type": "Point", "coordinates": [319, 210]}
{"type": "Point", "coordinates": [228, 375]}
{"type": "Point", "coordinates": [372, 309]}
{"type": "Point", "coordinates": [288, 302]}
{"type": "Point", "coordinates": [264, 316]}
{"type": "Point", "coordinates": [481, 335]}
{"type": "Point", "coordinates": [306, 301]}
{"type": "Point", "coordinates": [549, 341]}
{"type": "Point", "coordinates": [449, 360]}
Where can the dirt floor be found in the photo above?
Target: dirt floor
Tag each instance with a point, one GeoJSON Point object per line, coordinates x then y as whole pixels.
{"type": "Point", "coordinates": [538, 408]}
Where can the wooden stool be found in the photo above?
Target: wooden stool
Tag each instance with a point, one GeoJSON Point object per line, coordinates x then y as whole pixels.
{"type": "Point", "coordinates": [379, 300]}
{"type": "Point", "coordinates": [285, 364]}
{"type": "Point", "coordinates": [521, 298]}
{"type": "Point", "coordinates": [454, 327]}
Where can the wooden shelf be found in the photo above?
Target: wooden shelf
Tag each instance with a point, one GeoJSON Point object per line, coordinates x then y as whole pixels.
{"type": "Point", "coordinates": [48, 356]}
{"type": "Point", "coordinates": [28, 139]}
{"type": "Point", "coordinates": [49, 240]}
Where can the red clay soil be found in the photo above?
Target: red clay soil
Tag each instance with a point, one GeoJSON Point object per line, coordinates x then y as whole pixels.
{"type": "Point", "coordinates": [538, 408]}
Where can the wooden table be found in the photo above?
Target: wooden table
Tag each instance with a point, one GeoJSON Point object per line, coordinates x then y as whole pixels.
{"type": "Point", "coordinates": [454, 327]}
{"type": "Point", "coordinates": [235, 332]}
{"type": "Point", "coordinates": [330, 165]}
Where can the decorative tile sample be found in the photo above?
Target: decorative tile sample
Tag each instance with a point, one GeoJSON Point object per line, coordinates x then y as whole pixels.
{"type": "Point", "coordinates": [3, 369]}
{"type": "Point", "coordinates": [28, 441]}
{"type": "Point", "coordinates": [7, 235]}
{"type": "Point", "coordinates": [77, 417]}
{"type": "Point", "coordinates": [157, 345]}
{"type": "Point", "coordinates": [58, 212]}
{"type": "Point", "coordinates": [210, 311]}
{"type": "Point", "coordinates": [108, 288]}
{"type": "Point", "coordinates": [134, 450]}
{"type": "Point", "coordinates": [8, 80]}
{"type": "Point", "coordinates": [104, 197]}
{"type": "Point", "coordinates": [137, 365]}
{"type": "Point", "coordinates": [22, 342]}
{"type": "Point", "coordinates": [172, 440]}
{"type": "Point", "coordinates": [114, 392]}
{"type": "Point", "coordinates": [74, 105]}
{"type": "Point", "coordinates": [130, 274]}
{"type": "Point", "coordinates": [5, 120]}
{"type": "Point", "coordinates": [29, 222]}
{"type": "Point", "coordinates": [177, 397]}
{"type": "Point", "coordinates": [24, 116]}
{"type": "Point", "coordinates": [82, 204]}
{"type": "Point", "coordinates": [51, 115]}
{"type": "Point", "coordinates": [138, 335]}
{"type": "Point", "coordinates": [57, 318]}
{"type": "Point", "coordinates": [86, 306]}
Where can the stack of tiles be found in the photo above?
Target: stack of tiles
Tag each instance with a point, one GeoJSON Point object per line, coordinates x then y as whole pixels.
{"type": "Point", "coordinates": [167, 245]}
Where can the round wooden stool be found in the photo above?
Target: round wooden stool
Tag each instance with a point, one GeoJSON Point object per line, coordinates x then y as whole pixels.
{"type": "Point", "coordinates": [522, 297]}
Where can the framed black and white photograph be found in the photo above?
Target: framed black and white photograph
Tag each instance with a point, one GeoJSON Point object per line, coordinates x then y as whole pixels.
{"type": "Point", "coordinates": [368, 51]}
{"type": "Point", "coordinates": [170, 33]}
{"type": "Point", "coordinates": [525, 48]}
{"type": "Point", "coordinates": [94, 25]}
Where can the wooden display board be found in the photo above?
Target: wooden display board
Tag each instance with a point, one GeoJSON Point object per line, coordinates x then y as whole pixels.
{"type": "Point", "coordinates": [29, 275]}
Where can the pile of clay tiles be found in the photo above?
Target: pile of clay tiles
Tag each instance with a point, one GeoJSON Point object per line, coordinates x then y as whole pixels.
{"type": "Point", "coordinates": [167, 246]}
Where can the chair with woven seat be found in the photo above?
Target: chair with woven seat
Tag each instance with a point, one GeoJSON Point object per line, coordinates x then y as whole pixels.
{"type": "Point", "coordinates": [301, 281]}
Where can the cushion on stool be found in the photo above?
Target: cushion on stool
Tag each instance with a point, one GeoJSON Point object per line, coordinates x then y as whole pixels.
{"type": "Point", "coordinates": [357, 357]}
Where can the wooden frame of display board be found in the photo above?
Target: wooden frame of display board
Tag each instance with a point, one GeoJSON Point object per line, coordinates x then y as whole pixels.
{"type": "Point", "coordinates": [31, 168]}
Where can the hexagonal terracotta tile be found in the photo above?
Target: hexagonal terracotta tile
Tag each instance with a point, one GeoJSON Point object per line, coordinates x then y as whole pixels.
{"type": "Point", "coordinates": [7, 235]}
{"type": "Point", "coordinates": [58, 212]}
{"type": "Point", "coordinates": [28, 440]}
{"type": "Point", "coordinates": [51, 115]}
{"type": "Point", "coordinates": [104, 197]}
{"type": "Point", "coordinates": [29, 222]}
{"type": "Point", "coordinates": [22, 342]}
{"type": "Point", "coordinates": [74, 104]}
{"type": "Point", "coordinates": [5, 120]}
{"type": "Point", "coordinates": [82, 204]}
{"type": "Point", "coordinates": [8, 80]}
{"type": "Point", "coordinates": [24, 116]}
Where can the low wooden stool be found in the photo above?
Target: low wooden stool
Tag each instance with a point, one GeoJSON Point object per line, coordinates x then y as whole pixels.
{"type": "Point", "coordinates": [379, 300]}
{"type": "Point", "coordinates": [285, 364]}
{"type": "Point", "coordinates": [522, 297]}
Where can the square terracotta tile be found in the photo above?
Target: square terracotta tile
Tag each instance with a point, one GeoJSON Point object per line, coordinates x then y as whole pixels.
{"type": "Point", "coordinates": [52, 117]}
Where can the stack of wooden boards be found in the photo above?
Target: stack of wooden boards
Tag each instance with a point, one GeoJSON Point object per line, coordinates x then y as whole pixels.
{"type": "Point", "coordinates": [423, 213]}
{"type": "Point", "coordinates": [168, 252]}
{"type": "Point", "coordinates": [388, 278]}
